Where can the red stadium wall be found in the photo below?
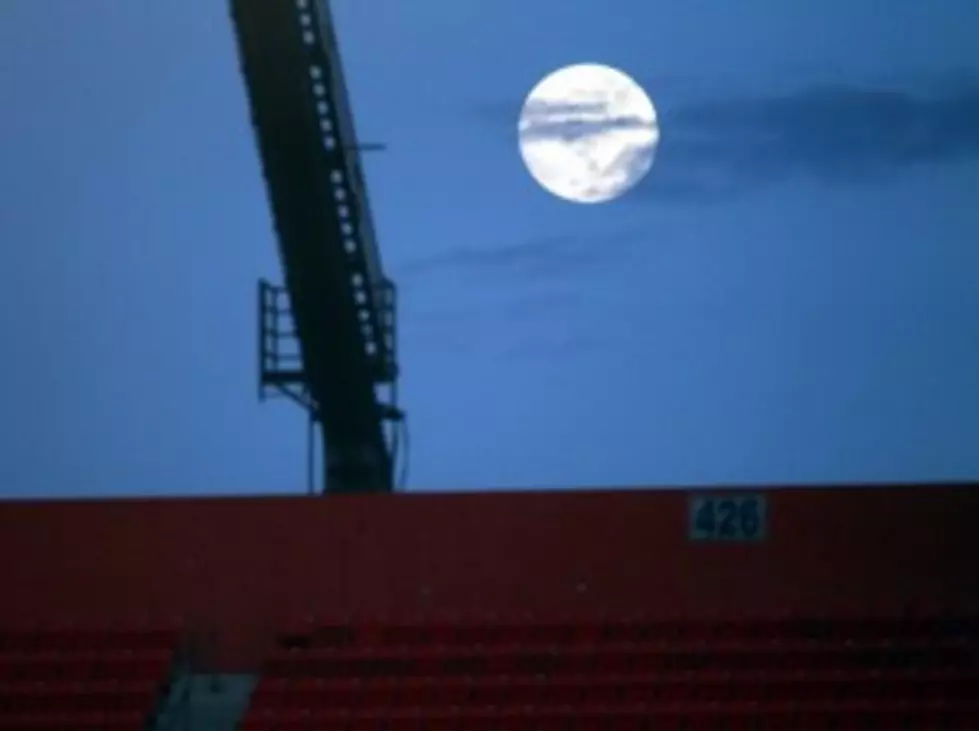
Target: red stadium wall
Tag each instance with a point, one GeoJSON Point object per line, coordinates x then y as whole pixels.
{"type": "Point", "coordinates": [244, 565]}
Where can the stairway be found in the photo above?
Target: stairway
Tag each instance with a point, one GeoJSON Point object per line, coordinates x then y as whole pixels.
{"type": "Point", "coordinates": [206, 702]}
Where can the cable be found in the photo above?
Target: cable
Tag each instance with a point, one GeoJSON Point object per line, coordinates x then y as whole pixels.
{"type": "Point", "coordinates": [395, 448]}
{"type": "Point", "coordinates": [400, 444]}
{"type": "Point", "coordinates": [403, 476]}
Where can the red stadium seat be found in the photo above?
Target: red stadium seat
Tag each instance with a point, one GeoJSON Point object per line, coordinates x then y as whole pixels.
{"type": "Point", "coordinates": [82, 679]}
{"type": "Point", "coordinates": [733, 673]}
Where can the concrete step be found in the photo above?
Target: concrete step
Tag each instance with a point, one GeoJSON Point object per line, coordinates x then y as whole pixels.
{"type": "Point", "coordinates": [206, 702]}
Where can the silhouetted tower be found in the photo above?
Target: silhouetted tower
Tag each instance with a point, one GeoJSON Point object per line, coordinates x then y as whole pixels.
{"type": "Point", "coordinates": [327, 338]}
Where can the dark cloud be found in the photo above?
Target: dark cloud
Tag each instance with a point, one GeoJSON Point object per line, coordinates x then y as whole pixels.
{"type": "Point", "coordinates": [716, 150]}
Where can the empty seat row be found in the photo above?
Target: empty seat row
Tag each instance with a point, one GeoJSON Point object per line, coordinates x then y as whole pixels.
{"type": "Point", "coordinates": [56, 679]}
{"type": "Point", "coordinates": [717, 687]}
{"type": "Point", "coordinates": [947, 716]}
{"type": "Point", "coordinates": [637, 630]}
{"type": "Point", "coordinates": [791, 674]}
{"type": "Point", "coordinates": [621, 659]}
{"type": "Point", "coordinates": [136, 666]}
{"type": "Point", "coordinates": [59, 721]}
{"type": "Point", "coordinates": [66, 639]}
{"type": "Point", "coordinates": [75, 697]}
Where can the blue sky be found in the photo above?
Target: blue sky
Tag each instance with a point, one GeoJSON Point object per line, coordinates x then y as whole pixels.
{"type": "Point", "coordinates": [791, 296]}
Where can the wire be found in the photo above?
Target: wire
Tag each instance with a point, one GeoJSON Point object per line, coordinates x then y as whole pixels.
{"type": "Point", "coordinates": [400, 444]}
{"type": "Point", "coordinates": [311, 455]}
{"type": "Point", "coordinates": [395, 448]}
{"type": "Point", "coordinates": [403, 476]}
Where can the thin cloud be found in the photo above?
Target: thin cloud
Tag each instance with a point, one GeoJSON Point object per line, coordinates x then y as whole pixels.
{"type": "Point", "coordinates": [538, 109]}
{"type": "Point", "coordinates": [569, 130]}
{"type": "Point", "coordinates": [545, 256]}
{"type": "Point", "coordinates": [501, 256]}
{"type": "Point", "coordinates": [570, 121]}
{"type": "Point", "coordinates": [713, 151]}
{"type": "Point", "coordinates": [558, 346]}
{"type": "Point", "coordinates": [535, 323]}
{"type": "Point", "coordinates": [509, 306]}
{"type": "Point", "coordinates": [537, 284]}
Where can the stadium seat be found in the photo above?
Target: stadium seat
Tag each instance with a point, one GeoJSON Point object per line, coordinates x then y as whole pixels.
{"type": "Point", "coordinates": [60, 678]}
{"type": "Point", "coordinates": [702, 717]}
{"type": "Point", "coordinates": [787, 671]}
{"type": "Point", "coordinates": [56, 721]}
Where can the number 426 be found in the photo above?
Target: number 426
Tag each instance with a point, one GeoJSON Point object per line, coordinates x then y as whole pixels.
{"type": "Point", "coordinates": [730, 518]}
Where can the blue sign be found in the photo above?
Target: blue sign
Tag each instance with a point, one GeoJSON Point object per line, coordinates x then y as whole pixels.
{"type": "Point", "coordinates": [734, 517]}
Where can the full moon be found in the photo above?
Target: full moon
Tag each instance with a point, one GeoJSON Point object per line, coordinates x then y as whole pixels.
{"type": "Point", "coordinates": [588, 133]}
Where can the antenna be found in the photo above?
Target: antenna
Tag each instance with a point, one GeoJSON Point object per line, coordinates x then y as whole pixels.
{"type": "Point", "coordinates": [367, 147]}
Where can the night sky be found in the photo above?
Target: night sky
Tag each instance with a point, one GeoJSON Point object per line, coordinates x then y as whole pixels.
{"type": "Point", "coordinates": [791, 296]}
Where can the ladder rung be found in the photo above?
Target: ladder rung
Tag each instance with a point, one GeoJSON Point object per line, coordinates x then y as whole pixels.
{"type": "Point", "coordinates": [283, 377]}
